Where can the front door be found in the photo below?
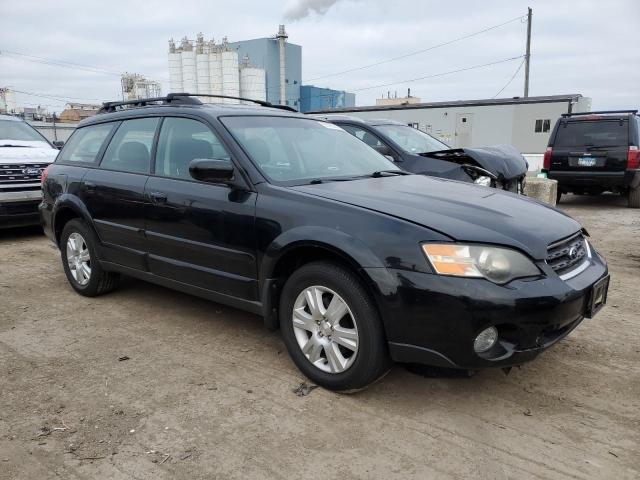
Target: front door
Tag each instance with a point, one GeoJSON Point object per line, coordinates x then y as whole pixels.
{"type": "Point", "coordinates": [464, 127]}
{"type": "Point", "coordinates": [198, 233]}
{"type": "Point", "coordinates": [114, 192]}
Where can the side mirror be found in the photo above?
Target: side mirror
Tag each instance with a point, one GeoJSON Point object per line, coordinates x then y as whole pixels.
{"type": "Point", "coordinates": [58, 144]}
{"type": "Point", "coordinates": [210, 170]}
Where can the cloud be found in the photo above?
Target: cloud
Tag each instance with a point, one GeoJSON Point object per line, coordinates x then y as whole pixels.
{"type": "Point", "coordinates": [299, 9]}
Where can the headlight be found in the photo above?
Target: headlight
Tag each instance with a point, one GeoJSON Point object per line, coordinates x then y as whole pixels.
{"type": "Point", "coordinates": [499, 265]}
{"type": "Point", "coordinates": [483, 180]}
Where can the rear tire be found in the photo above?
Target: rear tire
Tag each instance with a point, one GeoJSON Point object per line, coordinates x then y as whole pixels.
{"type": "Point", "coordinates": [634, 197]}
{"type": "Point", "coordinates": [80, 261]}
{"type": "Point", "coordinates": [318, 350]}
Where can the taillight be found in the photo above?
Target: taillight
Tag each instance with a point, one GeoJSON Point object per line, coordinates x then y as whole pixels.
{"type": "Point", "coordinates": [633, 158]}
{"type": "Point", "coordinates": [43, 175]}
{"type": "Point", "coordinates": [546, 160]}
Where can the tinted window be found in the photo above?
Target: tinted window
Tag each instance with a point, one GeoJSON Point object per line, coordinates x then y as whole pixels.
{"type": "Point", "coordinates": [367, 137]}
{"type": "Point", "coordinates": [14, 130]}
{"type": "Point", "coordinates": [411, 139]}
{"type": "Point", "coordinates": [607, 133]}
{"type": "Point", "coordinates": [130, 148]}
{"type": "Point", "coordinates": [183, 140]}
{"type": "Point", "coordinates": [85, 143]}
{"type": "Point", "coordinates": [299, 150]}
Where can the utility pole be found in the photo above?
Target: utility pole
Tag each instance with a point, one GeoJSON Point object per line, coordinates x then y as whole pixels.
{"type": "Point", "coordinates": [527, 55]}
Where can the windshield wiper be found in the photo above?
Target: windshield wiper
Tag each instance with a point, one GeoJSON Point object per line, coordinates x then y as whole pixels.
{"type": "Point", "coordinates": [9, 145]}
{"type": "Point", "coordinates": [381, 173]}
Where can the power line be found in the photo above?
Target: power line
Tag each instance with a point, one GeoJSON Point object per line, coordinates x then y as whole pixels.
{"type": "Point", "coordinates": [512, 77]}
{"type": "Point", "coordinates": [433, 47]}
{"type": "Point", "coordinates": [55, 97]}
{"type": "Point", "coordinates": [465, 69]}
{"type": "Point", "coordinates": [58, 63]}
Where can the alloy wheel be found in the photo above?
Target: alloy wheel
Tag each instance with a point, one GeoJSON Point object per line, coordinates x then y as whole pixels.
{"type": "Point", "coordinates": [325, 329]}
{"type": "Point", "coordinates": [78, 258]}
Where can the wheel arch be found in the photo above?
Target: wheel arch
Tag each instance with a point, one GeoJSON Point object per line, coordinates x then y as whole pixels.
{"type": "Point", "coordinates": [305, 245]}
{"type": "Point", "coordinates": [66, 208]}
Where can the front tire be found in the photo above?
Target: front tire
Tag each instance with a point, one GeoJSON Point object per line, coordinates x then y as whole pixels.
{"type": "Point", "coordinates": [80, 261]}
{"type": "Point", "coordinates": [331, 328]}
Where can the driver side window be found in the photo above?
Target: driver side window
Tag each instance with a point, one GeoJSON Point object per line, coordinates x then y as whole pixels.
{"type": "Point", "coordinates": [182, 140]}
{"type": "Point", "coordinates": [362, 134]}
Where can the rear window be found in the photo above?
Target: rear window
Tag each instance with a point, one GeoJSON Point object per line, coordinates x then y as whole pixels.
{"type": "Point", "coordinates": [596, 133]}
{"type": "Point", "coordinates": [85, 143]}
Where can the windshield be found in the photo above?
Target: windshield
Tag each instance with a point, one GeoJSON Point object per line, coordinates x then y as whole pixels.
{"type": "Point", "coordinates": [297, 150]}
{"type": "Point", "coordinates": [411, 139]}
{"type": "Point", "coordinates": [12, 130]}
{"type": "Point", "coordinates": [593, 133]}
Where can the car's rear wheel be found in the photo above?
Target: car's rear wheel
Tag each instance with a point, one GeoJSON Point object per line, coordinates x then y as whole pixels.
{"type": "Point", "coordinates": [558, 197]}
{"type": "Point", "coordinates": [331, 328]}
{"type": "Point", "coordinates": [80, 261]}
{"type": "Point", "coordinates": [634, 197]}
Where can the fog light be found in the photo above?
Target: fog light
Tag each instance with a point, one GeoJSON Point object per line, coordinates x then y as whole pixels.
{"type": "Point", "coordinates": [485, 340]}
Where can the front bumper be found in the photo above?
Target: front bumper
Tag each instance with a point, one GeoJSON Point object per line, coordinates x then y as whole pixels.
{"type": "Point", "coordinates": [433, 319]}
{"type": "Point", "coordinates": [19, 209]}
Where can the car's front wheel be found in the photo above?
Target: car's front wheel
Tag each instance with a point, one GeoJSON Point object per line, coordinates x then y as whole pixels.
{"type": "Point", "coordinates": [331, 328]}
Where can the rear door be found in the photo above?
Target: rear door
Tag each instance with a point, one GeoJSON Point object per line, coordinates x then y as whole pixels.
{"type": "Point", "coordinates": [599, 144]}
{"type": "Point", "coordinates": [198, 233]}
{"type": "Point", "coordinates": [114, 192]}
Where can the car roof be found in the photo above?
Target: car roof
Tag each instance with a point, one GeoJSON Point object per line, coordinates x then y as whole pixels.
{"type": "Point", "coordinates": [600, 115]}
{"type": "Point", "coordinates": [213, 110]}
{"type": "Point", "coordinates": [373, 122]}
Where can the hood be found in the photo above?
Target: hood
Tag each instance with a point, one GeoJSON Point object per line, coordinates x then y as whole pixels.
{"type": "Point", "coordinates": [462, 211]}
{"type": "Point", "coordinates": [24, 152]}
{"type": "Point", "coordinates": [504, 161]}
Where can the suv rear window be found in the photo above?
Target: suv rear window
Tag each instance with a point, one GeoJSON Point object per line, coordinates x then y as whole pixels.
{"type": "Point", "coordinates": [597, 133]}
{"type": "Point", "coordinates": [85, 143]}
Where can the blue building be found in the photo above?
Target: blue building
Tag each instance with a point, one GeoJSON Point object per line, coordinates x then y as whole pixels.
{"type": "Point", "coordinates": [264, 53]}
{"type": "Point", "coordinates": [316, 98]}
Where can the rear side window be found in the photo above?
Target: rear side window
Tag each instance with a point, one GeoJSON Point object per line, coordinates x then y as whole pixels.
{"type": "Point", "coordinates": [85, 143]}
{"type": "Point", "coordinates": [596, 133]}
{"type": "Point", "coordinates": [368, 138]}
{"type": "Point", "coordinates": [130, 148]}
{"type": "Point", "coordinates": [182, 140]}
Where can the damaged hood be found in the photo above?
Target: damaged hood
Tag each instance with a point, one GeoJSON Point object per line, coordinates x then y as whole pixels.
{"type": "Point", "coordinates": [504, 161]}
{"type": "Point", "coordinates": [461, 211]}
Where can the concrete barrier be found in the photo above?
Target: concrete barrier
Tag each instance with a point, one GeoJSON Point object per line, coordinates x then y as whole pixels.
{"type": "Point", "coordinates": [542, 189]}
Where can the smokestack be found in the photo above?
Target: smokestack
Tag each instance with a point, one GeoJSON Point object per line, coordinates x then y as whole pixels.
{"type": "Point", "coordinates": [282, 36]}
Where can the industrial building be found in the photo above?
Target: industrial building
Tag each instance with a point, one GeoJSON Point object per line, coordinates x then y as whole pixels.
{"type": "Point", "coordinates": [523, 122]}
{"type": "Point", "coordinates": [268, 68]}
{"type": "Point", "coordinates": [316, 98]}
{"type": "Point", "coordinates": [7, 101]}
{"type": "Point", "coordinates": [136, 86]}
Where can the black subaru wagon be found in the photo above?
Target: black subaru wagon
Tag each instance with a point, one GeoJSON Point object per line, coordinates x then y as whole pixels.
{"type": "Point", "coordinates": [292, 218]}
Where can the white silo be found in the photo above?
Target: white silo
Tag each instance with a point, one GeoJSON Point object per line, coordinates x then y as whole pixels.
{"type": "Point", "coordinates": [175, 68]}
{"type": "Point", "coordinates": [215, 72]}
{"type": "Point", "coordinates": [252, 81]}
{"type": "Point", "coordinates": [202, 67]}
{"type": "Point", "coordinates": [230, 73]}
{"type": "Point", "coordinates": [189, 73]}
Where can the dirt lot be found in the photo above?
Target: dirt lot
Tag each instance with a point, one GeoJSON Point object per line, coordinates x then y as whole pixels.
{"type": "Point", "coordinates": [207, 392]}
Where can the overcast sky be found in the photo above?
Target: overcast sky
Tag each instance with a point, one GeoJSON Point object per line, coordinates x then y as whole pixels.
{"type": "Point", "coordinates": [588, 47]}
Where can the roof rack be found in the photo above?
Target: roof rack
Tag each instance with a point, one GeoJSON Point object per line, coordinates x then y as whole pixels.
{"type": "Point", "coordinates": [180, 99]}
{"type": "Point", "coordinates": [602, 112]}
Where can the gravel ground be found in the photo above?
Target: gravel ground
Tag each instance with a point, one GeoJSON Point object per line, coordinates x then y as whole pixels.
{"type": "Point", "coordinates": [148, 383]}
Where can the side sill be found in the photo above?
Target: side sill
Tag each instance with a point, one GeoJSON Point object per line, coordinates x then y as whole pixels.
{"type": "Point", "coordinates": [239, 303]}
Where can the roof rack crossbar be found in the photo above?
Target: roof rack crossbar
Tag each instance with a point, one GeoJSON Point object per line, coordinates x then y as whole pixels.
{"type": "Point", "coordinates": [601, 112]}
{"type": "Point", "coordinates": [183, 99]}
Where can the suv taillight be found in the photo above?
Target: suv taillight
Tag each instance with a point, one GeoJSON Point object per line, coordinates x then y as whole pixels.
{"type": "Point", "coordinates": [546, 161]}
{"type": "Point", "coordinates": [43, 175]}
{"type": "Point", "coordinates": [633, 158]}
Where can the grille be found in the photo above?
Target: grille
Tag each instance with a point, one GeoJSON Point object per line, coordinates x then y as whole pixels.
{"type": "Point", "coordinates": [565, 255]}
{"type": "Point", "coordinates": [24, 173]}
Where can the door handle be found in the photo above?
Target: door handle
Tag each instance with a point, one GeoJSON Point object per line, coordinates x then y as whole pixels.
{"type": "Point", "coordinates": [90, 186]}
{"type": "Point", "coordinates": [158, 197]}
